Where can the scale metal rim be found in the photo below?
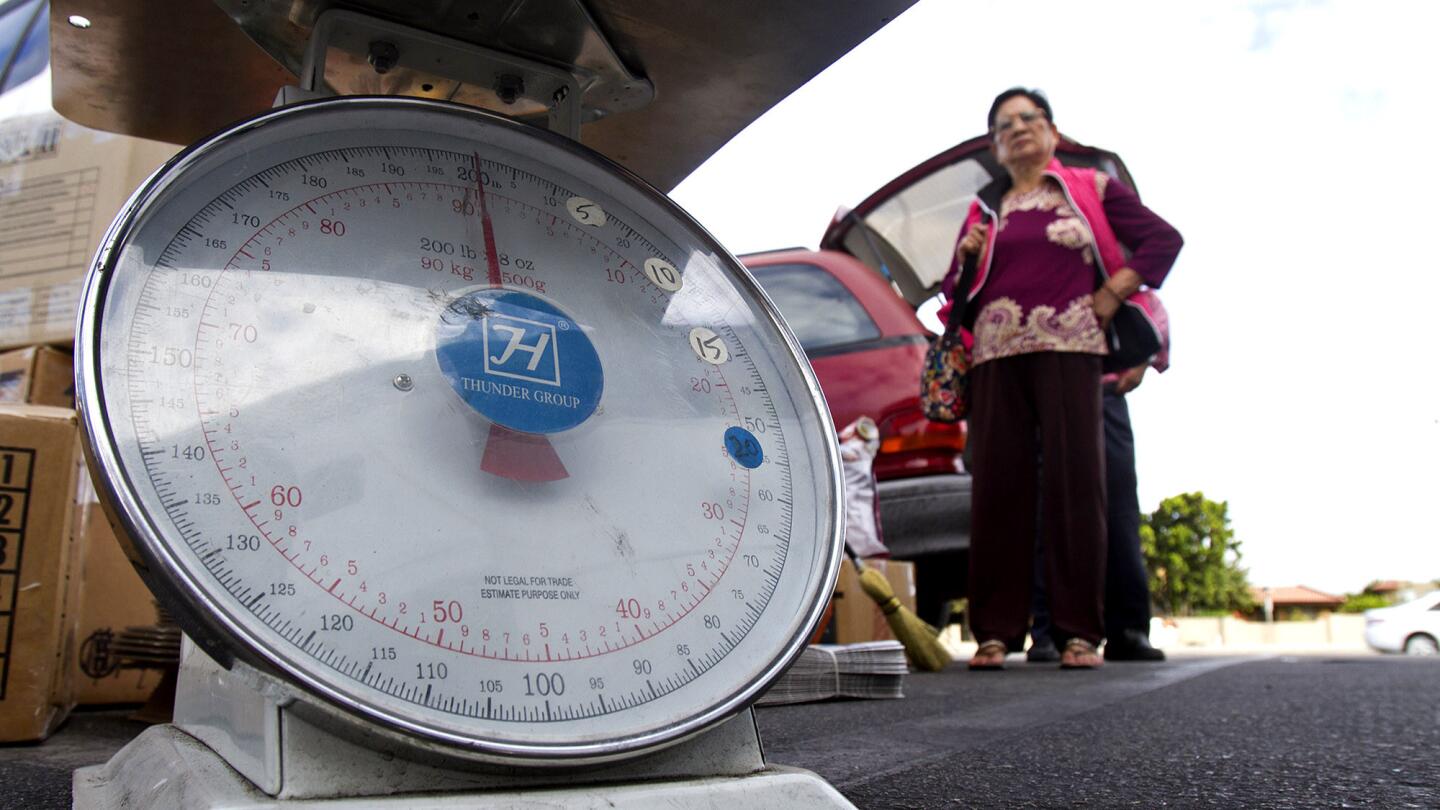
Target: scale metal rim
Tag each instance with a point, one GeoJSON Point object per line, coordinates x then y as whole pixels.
{"type": "Point", "coordinates": [226, 640]}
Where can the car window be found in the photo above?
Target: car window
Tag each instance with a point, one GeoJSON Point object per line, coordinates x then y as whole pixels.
{"type": "Point", "coordinates": [820, 310]}
{"type": "Point", "coordinates": [918, 226]}
{"type": "Point", "coordinates": [24, 41]}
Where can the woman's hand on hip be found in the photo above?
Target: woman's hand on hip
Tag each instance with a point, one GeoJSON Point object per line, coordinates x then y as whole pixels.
{"type": "Point", "coordinates": [973, 240]}
{"type": "Point", "coordinates": [1105, 303]}
{"type": "Point", "coordinates": [1110, 296]}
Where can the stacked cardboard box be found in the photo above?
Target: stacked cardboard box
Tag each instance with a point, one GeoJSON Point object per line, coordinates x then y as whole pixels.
{"type": "Point", "coordinates": [60, 186]}
{"type": "Point", "coordinates": [857, 618]}
{"type": "Point", "coordinates": [113, 599]}
{"type": "Point", "coordinates": [40, 375]}
{"type": "Point", "coordinates": [39, 466]}
{"type": "Point", "coordinates": [67, 589]}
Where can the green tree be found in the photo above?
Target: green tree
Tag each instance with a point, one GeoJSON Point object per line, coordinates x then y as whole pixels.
{"type": "Point", "coordinates": [1361, 602]}
{"type": "Point", "coordinates": [1193, 557]}
{"type": "Point", "coordinates": [1366, 599]}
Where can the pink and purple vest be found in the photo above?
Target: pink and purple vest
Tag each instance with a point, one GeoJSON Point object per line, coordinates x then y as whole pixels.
{"type": "Point", "coordinates": [1079, 188]}
{"type": "Point", "coordinates": [1078, 185]}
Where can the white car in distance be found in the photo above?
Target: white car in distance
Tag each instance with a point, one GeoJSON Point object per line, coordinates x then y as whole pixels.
{"type": "Point", "coordinates": [1412, 628]}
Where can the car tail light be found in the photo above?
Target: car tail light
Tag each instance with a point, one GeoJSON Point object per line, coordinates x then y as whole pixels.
{"type": "Point", "coordinates": [910, 431]}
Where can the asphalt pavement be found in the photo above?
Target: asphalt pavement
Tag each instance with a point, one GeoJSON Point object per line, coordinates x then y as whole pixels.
{"type": "Point", "coordinates": [1309, 731]}
{"type": "Point", "coordinates": [1272, 732]}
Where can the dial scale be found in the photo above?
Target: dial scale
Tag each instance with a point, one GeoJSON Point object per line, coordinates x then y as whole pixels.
{"type": "Point", "coordinates": [464, 432]}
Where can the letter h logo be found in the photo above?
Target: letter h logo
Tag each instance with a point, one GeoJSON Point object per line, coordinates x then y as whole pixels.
{"type": "Point", "coordinates": [521, 349]}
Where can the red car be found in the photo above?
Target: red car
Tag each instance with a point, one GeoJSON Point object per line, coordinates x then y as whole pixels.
{"type": "Point", "coordinates": [867, 347]}
{"type": "Point", "coordinates": [853, 305]}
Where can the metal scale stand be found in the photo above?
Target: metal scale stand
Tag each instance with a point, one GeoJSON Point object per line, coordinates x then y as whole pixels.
{"type": "Point", "coordinates": [244, 737]}
{"type": "Point", "coordinates": [236, 743]}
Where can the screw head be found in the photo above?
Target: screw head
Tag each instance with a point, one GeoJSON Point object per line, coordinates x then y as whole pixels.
{"type": "Point", "coordinates": [403, 382]}
{"type": "Point", "coordinates": [383, 56]}
{"type": "Point", "coordinates": [509, 88]}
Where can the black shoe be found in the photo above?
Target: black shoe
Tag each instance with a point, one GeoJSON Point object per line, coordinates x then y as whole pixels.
{"type": "Point", "coordinates": [1132, 645]}
{"type": "Point", "coordinates": [1042, 652]}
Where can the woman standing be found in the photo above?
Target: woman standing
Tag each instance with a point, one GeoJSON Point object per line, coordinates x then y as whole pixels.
{"type": "Point", "coordinates": [1043, 236]}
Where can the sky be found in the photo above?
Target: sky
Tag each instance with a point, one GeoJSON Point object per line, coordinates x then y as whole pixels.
{"type": "Point", "coordinates": [1288, 141]}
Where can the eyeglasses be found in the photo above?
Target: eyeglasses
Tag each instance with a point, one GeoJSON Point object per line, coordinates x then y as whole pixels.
{"type": "Point", "coordinates": [1027, 118]}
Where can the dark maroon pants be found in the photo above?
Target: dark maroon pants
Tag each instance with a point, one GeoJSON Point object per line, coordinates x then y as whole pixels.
{"type": "Point", "coordinates": [1036, 429]}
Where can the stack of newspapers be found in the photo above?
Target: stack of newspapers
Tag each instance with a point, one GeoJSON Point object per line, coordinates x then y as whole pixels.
{"type": "Point", "coordinates": [873, 669]}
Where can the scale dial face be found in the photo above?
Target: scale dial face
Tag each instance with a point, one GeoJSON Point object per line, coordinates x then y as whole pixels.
{"type": "Point", "coordinates": [460, 428]}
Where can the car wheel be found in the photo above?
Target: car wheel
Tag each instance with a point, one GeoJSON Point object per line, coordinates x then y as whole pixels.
{"type": "Point", "coordinates": [1421, 644]}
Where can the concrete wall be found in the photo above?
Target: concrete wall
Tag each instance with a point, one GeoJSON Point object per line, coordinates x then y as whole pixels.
{"type": "Point", "coordinates": [1334, 631]}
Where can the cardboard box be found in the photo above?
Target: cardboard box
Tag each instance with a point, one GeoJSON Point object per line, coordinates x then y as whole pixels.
{"type": "Point", "coordinates": [112, 598]}
{"type": "Point", "coordinates": [39, 375]}
{"type": "Point", "coordinates": [60, 186]}
{"type": "Point", "coordinates": [39, 462]}
{"type": "Point", "coordinates": [857, 617]}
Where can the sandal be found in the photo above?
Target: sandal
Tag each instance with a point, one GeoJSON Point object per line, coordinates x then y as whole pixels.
{"type": "Point", "coordinates": [990, 655]}
{"type": "Point", "coordinates": [1080, 654]}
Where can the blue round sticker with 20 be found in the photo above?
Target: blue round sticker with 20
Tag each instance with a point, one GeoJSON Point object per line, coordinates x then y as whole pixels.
{"type": "Point", "coordinates": [744, 448]}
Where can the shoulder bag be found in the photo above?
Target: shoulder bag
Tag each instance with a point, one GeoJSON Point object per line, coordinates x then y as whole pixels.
{"type": "Point", "coordinates": [1133, 338]}
{"type": "Point", "coordinates": [945, 377]}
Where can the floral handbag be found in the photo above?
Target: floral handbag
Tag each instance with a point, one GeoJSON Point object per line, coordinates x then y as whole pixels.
{"type": "Point", "coordinates": [945, 377]}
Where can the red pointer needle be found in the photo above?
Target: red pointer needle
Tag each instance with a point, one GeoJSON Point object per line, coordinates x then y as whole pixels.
{"type": "Point", "coordinates": [492, 256]}
{"type": "Point", "coordinates": [509, 454]}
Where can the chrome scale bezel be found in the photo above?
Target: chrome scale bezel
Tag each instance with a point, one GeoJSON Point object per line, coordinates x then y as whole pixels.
{"type": "Point", "coordinates": [226, 640]}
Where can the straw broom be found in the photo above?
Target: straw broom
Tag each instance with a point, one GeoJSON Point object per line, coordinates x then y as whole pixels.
{"type": "Point", "coordinates": [920, 640]}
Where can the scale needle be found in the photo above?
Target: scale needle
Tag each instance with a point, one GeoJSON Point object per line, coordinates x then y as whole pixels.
{"type": "Point", "coordinates": [521, 456]}
{"type": "Point", "coordinates": [509, 454]}
{"type": "Point", "coordinates": [492, 256]}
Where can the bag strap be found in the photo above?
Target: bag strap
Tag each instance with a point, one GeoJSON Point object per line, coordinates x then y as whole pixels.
{"type": "Point", "coordinates": [957, 307]}
{"type": "Point", "coordinates": [968, 271]}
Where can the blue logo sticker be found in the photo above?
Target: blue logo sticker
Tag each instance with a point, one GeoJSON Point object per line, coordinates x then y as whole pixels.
{"type": "Point", "coordinates": [519, 361]}
{"type": "Point", "coordinates": [743, 447]}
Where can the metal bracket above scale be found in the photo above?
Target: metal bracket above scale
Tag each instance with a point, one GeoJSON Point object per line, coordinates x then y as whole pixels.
{"type": "Point", "coordinates": [368, 50]}
{"type": "Point", "coordinates": [376, 56]}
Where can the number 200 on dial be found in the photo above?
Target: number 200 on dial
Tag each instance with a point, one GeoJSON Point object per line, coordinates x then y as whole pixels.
{"type": "Point", "coordinates": [464, 431]}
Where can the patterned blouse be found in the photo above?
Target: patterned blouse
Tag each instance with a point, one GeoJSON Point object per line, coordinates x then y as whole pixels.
{"type": "Point", "coordinates": [1037, 295]}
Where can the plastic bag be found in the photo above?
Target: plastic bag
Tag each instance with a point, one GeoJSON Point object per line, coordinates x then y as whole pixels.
{"type": "Point", "coordinates": [859, 442]}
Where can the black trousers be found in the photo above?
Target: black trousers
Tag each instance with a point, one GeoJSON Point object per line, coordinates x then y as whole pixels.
{"type": "Point", "coordinates": [1035, 428]}
{"type": "Point", "coordinates": [1127, 583]}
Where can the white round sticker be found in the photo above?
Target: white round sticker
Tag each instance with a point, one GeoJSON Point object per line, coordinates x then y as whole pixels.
{"type": "Point", "coordinates": [708, 346]}
{"type": "Point", "coordinates": [663, 275]}
{"type": "Point", "coordinates": [586, 212]}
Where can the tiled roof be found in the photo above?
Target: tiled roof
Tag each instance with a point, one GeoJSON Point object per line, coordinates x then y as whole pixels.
{"type": "Point", "coordinates": [1296, 595]}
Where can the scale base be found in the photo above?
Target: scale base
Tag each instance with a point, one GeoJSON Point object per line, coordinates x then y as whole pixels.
{"type": "Point", "coordinates": [233, 745]}
{"type": "Point", "coordinates": [166, 768]}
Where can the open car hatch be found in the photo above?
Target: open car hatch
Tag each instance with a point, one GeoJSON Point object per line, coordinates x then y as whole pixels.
{"type": "Point", "coordinates": [907, 230]}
